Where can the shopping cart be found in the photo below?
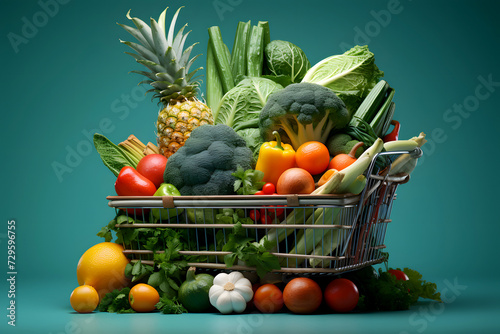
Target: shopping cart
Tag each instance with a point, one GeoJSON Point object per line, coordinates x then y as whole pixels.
{"type": "Point", "coordinates": [344, 232]}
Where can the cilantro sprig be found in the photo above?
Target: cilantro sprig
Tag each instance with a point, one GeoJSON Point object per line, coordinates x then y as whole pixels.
{"type": "Point", "coordinates": [248, 182]}
{"type": "Point", "coordinates": [252, 253]}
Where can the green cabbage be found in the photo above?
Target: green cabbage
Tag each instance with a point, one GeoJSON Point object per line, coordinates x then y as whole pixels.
{"type": "Point", "coordinates": [286, 60]}
{"type": "Point", "coordinates": [351, 75]}
{"type": "Point", "coordinates": [240, 107]}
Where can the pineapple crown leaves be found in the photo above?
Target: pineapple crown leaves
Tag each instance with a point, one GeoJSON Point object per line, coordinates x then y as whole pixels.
{"type": "Point", "coordinates": [164, 56]}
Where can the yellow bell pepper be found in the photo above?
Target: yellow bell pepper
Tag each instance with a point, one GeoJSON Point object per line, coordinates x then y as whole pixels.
{"type": "Point", "coordinates": [274, 159]}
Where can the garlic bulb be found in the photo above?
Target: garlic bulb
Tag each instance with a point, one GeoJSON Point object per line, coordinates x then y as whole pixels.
{"type": "Point", "coordinates": [230, 292]}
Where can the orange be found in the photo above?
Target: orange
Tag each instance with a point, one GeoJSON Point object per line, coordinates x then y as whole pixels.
{"type": "Point", "coordinates": [84, 299]}
{"type": "Point", "coordinates": [313, 156]}
{"type": "Point", "coordinates": [103, 267]}
{"type": "Point", "coordinates": [143, 298]}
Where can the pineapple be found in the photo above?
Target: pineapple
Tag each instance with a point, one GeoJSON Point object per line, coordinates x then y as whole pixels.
{"type": "Point", "coordinates": [175, 87]}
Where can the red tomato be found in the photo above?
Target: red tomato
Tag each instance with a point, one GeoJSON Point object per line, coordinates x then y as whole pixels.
{"type": "Point", "coordinates": [152, 167]}
{"type": "Point", "coordinates": [302, 295]}
{"type": "Point", "coordinates": [401, 276]}
{"type": "Point", "coordinates": [269, 188]}
{"type": "Point", "coordinates": [259, 192]}
{"type": "Point", "coordinates": [254, 215]}
{"type": "Point", "coordinates": [268, 298]}
{"type": "Point", "coordinates": [265, 219]}
{"type": "Point", "coordinates": [341, 295]}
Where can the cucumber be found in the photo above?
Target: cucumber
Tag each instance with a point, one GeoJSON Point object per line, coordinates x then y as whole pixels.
{"type": "Point", "coordinates": [255, 52]}
{"type": "Point", "coordinates": [221, 58]}
{"type": "Point", "coordinates": [239, 53]}
{"type": "Point", "coordinates": [371, 104]}
{"type": "Point", "coordinates": [378, 122]}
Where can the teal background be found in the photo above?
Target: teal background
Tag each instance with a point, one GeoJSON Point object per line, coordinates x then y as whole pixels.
{"type": "Point", "coordinates": [72, 74]}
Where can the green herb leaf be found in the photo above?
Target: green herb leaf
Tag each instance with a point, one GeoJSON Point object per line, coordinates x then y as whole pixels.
{"type": "Point", "coordinates": [420, 288]}
{"type": "Point", "coordinates": [168, 305]}
{"type": "Point", "coordinates": [116, 302]}
{"type": "Point", "coordinates": [251, 253]}
{"type": "Point", "coordinates": [248, 182]}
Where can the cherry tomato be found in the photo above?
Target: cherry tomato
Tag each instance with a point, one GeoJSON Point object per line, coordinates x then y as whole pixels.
{"type": "Point", "coordinates": [269, 188]}
{"type": "Point", "coordinates": [265, 219]}
{"type": "Point", "coordinates": [341, 295]}
{"type": "Point", "coordinates": [401, 276]}
{"type": "Point", "coordinates": [254, 215]}
{"type": "Point", "coordinates": [143, 298]}
{"type": "Point", "coordinates": [278, 211]}
{"type": "Point", "coordinates": [302, 295]}
{"type": "Point", "coordinates": [259, 192]}
{"type": "Point", "coordinates": [268, 298]}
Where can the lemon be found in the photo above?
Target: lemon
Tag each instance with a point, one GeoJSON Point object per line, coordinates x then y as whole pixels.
{"type": "Point", "coordinates": [84, 299]}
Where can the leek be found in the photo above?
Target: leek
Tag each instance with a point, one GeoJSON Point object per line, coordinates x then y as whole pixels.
{"type": "Point", "coordinates": [400, 145]}
{"type": "Point", "coordinates": [340, 181]}
{"type": "Point", "coordinates": [311, 237]}
{"type": "Point", "coordinates": [405, 163]}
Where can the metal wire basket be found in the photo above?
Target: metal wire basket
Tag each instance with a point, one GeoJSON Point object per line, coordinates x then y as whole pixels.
{"type": "Point", "coordinates": [347, 231]}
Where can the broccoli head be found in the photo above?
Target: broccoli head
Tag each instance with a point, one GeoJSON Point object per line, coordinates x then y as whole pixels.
{"type": "Point", "coordinates": [305, 112]}
{"type": "Point", "coordinates": [203, 166]}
